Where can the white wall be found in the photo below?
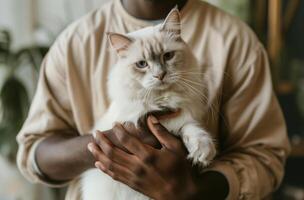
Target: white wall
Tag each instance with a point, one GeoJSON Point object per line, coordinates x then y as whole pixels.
{"type": "Point", "coordinates": [16, 15]}
{"type": "Point", "coordinates": [42, 20]}
{"type": "Point", "coordinates": [38, 22]}
{"type": "Point", "coordinates": [55, 15]}
{"type": "Point", "coordinates": [234, 7]}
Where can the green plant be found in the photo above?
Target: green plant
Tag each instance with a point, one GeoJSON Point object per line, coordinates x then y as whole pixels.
{"type": "Point", "coordinates": [234, 7]}
{"type": "Point", "coordinates": [14, 97]}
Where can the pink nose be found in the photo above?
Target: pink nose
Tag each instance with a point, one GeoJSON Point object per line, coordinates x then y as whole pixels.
{"type": "Point", "coordinates": [160, 76]}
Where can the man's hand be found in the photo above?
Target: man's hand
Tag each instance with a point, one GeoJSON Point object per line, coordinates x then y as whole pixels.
{"type": "Point", "coordinates": [160, 173]}
{"type": "Point", "coordinates": [142, 133]}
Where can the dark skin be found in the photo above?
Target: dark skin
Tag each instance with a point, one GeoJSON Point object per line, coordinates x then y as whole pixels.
{"type": "Point", "coordinates": [151, 9]}
{"type": "Point", "coordinates": [159, 173]}
{"type": "Point", "coordinates": [137, 158]}
{"type": "Point", "coordinates": [62, 157]}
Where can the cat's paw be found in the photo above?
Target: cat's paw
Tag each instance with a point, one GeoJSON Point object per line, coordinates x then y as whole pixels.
{"type": "Point", "coordinates": [201, 150]}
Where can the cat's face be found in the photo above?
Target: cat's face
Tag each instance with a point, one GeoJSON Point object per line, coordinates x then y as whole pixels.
{"type": "Point", "coordinates": [153, 61]}
{"type": "Point", "coordinates": [154, 57]}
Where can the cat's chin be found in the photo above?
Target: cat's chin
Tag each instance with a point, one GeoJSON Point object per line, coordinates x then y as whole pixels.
{"type": "Point", "coordinates": [161, 86]}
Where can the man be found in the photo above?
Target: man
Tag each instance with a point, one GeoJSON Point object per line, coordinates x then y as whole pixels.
{"type": "Point", "coordinates": [245, 118]}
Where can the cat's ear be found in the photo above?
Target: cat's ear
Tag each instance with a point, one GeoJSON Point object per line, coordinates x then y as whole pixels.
{"type": "Point", "coordinates": [119, 42]}
{"type": "Point", "coordinates": [172, 22]}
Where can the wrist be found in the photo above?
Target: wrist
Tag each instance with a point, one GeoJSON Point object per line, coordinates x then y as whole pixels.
{"type": "Point", "coordinates": [89, 161]}
{"type": "Point", "coordinates": [62, 157]}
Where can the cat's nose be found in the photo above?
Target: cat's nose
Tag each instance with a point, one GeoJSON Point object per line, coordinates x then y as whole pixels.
{"type": "Point", "coordinates": [161, 75]}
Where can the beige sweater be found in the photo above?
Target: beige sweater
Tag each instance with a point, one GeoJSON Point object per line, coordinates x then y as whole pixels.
{"type": "Point", "coordinates": [246, 119]}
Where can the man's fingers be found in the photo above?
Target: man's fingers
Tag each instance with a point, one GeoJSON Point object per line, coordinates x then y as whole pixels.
{"type": "Point", "coordinates": [117, 172]}
{"type": "Point", "coordinates": [111, 136]}
{"type": "Point", "coordinates": [169, 115]}
{"type": "Point", "coordinates": [142, 133]}
{"type": "Point", "coordinates": [113, 153]}
{"type": "Point", "coordinates": [122, 176]}
{"type": "Point", "coordinates": [108, 166]}
{"type": "Point", "coordinates": [130, 175]}
{"type": "Point", "coordinates": [131, 128]}
{"type": "Point", "coordinates": [162, 134]}
{"type": "Point", "coordinates": [96, 151]}
{"type": "Point", "coordinates": [132, 144]}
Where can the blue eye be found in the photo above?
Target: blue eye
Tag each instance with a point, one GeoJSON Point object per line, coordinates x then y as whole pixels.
{"type": "Point", "coordinates": [142, 64]}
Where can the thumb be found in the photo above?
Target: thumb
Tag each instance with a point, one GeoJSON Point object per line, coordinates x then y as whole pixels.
{"type": "Point", "coordinates": [165, 138]}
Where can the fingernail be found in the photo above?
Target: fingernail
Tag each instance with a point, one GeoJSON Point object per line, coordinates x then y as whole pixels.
{"type": "Point", "coordinates": [100, 166]}
{"type": "Point", "coordinates": [95, 133]}
{"type": "Point", "coordinates": [90, 147]}
{"type": "Point", "coordinates": [153, 119]}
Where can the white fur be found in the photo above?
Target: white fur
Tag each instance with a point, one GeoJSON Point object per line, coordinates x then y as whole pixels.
{"type": "Point", "coordinates": [129, 101]}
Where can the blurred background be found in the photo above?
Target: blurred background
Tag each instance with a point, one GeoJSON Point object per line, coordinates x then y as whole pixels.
{"type": "Point", "coordinates": [29, 27]}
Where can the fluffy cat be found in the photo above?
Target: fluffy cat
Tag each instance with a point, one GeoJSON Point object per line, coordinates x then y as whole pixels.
{"type": "Point", "coordinates": [156, 69]}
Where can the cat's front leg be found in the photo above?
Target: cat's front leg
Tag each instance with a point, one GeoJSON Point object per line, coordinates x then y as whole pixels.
{"type": "Point", "coordinates": [199, 144]}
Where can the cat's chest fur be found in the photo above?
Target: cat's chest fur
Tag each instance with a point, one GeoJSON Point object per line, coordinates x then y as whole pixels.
{"type": "Point", "coordinates": [132, 110]}
{"type": "Point", "coordinates": [171, 100]}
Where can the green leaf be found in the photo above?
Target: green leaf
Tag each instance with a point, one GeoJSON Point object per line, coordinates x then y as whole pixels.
{"type": "Point", "coordinates": [14, 103]}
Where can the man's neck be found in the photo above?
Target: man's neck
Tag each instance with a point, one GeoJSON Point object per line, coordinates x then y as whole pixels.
{"type": "Point", "coordinates": [151, 9]}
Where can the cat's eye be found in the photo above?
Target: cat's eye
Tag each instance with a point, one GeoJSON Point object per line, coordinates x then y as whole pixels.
{"type": "Point", "coordinates": [142, 64]}
{"type": "Point", "coordinates": [168, 56]}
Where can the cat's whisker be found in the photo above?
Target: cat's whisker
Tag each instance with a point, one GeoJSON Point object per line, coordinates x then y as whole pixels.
{"type": "Point", "coordinates": [195, 89]}
{"type": "Point", "coordinates": [149, 94]}
{"type": "Point", "coordinates": [195, 92]}
{"type": "Point", "coordinates": [188, 73]}
{"type": "Point", "coordinates": [193, 82]}
{"type": "Point", "coordinates": [211, 106]}
{"type": "Point", "coordinates": [213, 112]}
{"type": "Point", "coordinates": [191, 92]}
{"type": "Point", "coordinates": [202, 98]}
{"type": "Point", "coordinates": [188, 76]}
{"type": "Point", "coordinates": [146, 96]}
{"type": "Point", "coordinates": [182, 76]}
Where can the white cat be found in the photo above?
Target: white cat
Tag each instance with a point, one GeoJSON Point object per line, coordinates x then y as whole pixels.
{"type": "Point", "coordinates": [156, 69]}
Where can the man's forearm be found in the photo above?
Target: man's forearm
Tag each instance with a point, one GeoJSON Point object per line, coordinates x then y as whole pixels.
{"type": "Point", "coordinates": [64, 157]}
